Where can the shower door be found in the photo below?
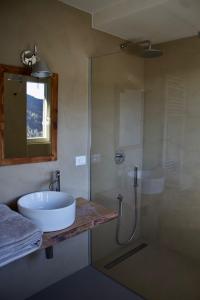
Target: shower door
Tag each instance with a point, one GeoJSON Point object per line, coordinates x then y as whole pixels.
{"type": "Point", "coordinates": [116, 128]}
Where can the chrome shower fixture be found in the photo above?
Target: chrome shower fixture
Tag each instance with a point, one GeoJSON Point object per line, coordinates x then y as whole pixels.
{"type": "Point", "coordinates": [142, 49]}
{"type": "Point", "coordinates": [148, 51]}
{"type": "Point", "coordinates": [119, 157]}
{"type": "Point", "coordinates": [120, 198]}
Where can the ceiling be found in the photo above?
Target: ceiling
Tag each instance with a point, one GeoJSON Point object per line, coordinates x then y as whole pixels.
{"type": "Point", "coordinates": [157, 20]}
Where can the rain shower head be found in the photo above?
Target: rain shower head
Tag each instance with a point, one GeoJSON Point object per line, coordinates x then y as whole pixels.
{"type": "Point", "coordinates": [149, 52]}
{"type": "Point", "coordinates": [142, 49]}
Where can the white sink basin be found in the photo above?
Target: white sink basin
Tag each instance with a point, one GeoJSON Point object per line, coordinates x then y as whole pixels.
{"type": "Point", "coordinates": [49, 210]}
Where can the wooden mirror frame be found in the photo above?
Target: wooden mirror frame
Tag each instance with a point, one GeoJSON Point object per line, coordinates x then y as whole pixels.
{"type": "Point", "coordinates": [54, 111]}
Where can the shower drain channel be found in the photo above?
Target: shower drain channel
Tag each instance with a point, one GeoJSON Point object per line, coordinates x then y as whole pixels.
{"type": "Point", "coordinates": [126, 255]}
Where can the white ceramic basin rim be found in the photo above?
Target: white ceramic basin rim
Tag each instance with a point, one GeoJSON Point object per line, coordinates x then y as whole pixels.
{"type": "Point", "coordinates": [47, 200]}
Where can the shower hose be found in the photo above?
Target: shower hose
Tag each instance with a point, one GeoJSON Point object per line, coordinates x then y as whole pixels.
{"type": "Point", "coordinates": [135, 213]}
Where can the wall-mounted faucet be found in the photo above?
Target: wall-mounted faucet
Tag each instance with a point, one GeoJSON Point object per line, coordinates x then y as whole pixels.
{"type": "Point", "coordinates": [55, 183]}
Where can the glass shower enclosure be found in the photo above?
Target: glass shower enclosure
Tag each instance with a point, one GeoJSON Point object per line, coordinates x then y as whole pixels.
{"type": "Point", "coordinates": [145, 114]}
{"type": "Point", "coordinates": [117, 145]}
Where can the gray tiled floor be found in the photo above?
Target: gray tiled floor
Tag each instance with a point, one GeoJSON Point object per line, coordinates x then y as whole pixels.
{"type": "Point", "coordinates": [157, 273]}
{"type": "Point", "coordinates": [85, 285]}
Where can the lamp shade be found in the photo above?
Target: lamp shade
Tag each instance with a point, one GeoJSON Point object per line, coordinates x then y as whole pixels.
{"type": "Point", "coordinates": [41, 70]}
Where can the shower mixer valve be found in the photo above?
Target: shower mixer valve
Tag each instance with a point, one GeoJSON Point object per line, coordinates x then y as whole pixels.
{"type": "Point", "coordinates": [119, 157]}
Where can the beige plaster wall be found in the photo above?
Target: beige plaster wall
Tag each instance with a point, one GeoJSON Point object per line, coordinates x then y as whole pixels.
{"type": "Point", "coordinates": [64, 36]}
{"type": "Point", "coordinates": [171, 146]}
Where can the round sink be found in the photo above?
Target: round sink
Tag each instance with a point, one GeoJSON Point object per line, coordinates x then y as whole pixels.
{"type": "Point", "coordinates": [50, 211]}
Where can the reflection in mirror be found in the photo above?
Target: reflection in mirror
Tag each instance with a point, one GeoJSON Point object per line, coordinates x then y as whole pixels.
{"type": "Point", "coordinates": [29, 117]}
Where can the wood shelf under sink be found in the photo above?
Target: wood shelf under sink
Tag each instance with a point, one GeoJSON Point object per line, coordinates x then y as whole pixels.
{"type": "Point", "coordinates": [88, 215]}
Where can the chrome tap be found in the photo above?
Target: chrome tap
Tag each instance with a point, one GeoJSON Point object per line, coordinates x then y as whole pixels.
{"type": "Point", "coordinates": [55, 183]}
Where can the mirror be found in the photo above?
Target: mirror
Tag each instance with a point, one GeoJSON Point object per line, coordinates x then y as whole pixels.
{"type": "Point", "coordinates": [28, 116]}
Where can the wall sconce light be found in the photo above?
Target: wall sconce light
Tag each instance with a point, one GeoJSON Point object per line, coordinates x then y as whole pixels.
{"type": "Point", "coordinates": [31, 59]}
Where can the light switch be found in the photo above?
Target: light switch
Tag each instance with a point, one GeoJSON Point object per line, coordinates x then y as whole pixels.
{"type": "Point", "coordinates": [80, 160]}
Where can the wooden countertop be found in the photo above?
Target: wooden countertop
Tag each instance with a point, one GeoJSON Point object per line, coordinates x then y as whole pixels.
{"type": "Point", "coordinates": [88, 215]}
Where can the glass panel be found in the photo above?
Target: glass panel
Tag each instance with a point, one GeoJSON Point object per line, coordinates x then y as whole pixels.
{"type": "Point", "coordinates": [160, 134]}
{"type": "Point", "coordinates": [117, 127]}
